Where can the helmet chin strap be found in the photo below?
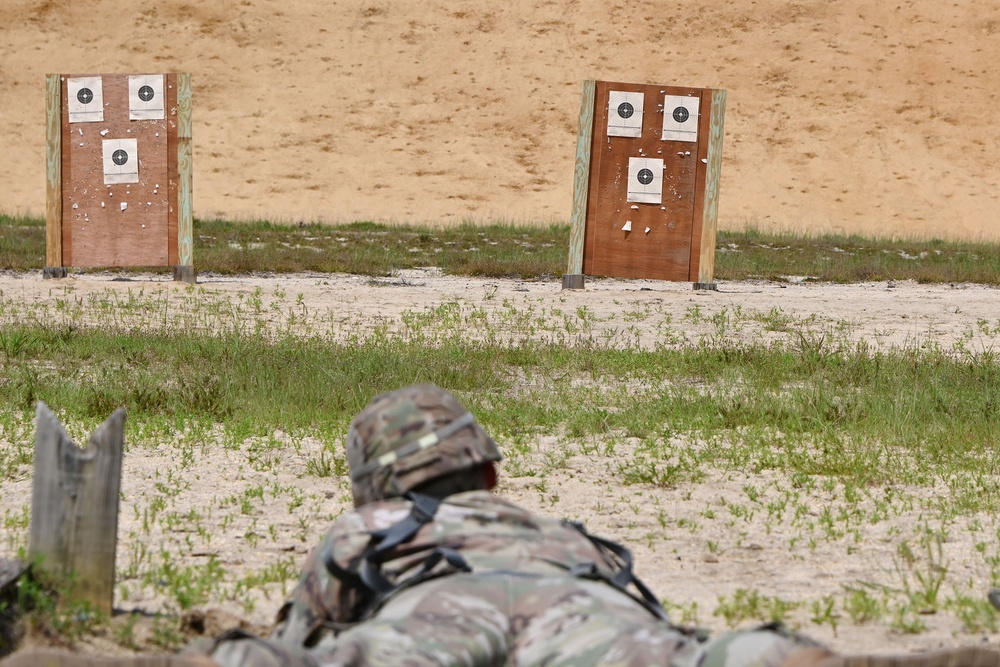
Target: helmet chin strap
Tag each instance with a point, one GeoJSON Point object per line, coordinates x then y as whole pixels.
{"type": "Point", "coordinates": [411, 448]}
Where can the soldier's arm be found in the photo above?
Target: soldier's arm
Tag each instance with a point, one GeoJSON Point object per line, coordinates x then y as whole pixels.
{"type": "Point", "coordinates": [328, 594]}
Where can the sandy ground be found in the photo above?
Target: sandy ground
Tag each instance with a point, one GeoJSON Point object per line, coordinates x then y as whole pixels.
{"type": "Point", "coordinates": [857, 116]}
{"type": "Point", "coordinates": [690, 544]}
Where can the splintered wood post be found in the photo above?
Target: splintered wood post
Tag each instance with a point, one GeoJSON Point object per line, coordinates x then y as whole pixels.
{"type": "Point", "coordinates": [74, 507]}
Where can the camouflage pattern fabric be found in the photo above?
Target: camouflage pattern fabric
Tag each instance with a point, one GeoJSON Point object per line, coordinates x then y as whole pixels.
{"type": "Point", "coordinates": [518, 606]}
{"type": "Point", "coordinates": [498, 620]}
{"type": "Point", "coordinates": [407, 437]}
{"type": "Point", "coordinates": [491, 534]}
{"type": "Point", "coordinates": [765, 647]}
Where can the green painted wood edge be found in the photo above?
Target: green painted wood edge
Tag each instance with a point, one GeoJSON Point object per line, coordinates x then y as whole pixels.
{"type": "Point", "coordinates": [185, 173]}
{"type": "Point", "coordinates": [581, 179]}
{"type": "Point", "coordinates": [713, 174]}
{"type": "Point", "coordinates": [53, 170]}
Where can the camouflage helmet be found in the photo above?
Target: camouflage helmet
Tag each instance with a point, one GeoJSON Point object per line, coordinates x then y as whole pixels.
{"type": "Point", "coordinates": [410, 436]}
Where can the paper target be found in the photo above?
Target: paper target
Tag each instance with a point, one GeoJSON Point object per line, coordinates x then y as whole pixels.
{"type": "Point", "coordinates": [624, 114]}
{"type": "Point", "coordinates": [645, 180]}
{"type": "Point", "coordinates": [121, 161]}
{"type": "Point", "coordinates": [85, 99]}
{"type": "Point", "coordinates": [145, 97]}
{"type": "Point", "coordinates": [680, 118]}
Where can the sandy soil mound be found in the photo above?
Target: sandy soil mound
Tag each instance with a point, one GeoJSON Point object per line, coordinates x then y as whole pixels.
{"type": "Point", "coordinates": [855, 116]}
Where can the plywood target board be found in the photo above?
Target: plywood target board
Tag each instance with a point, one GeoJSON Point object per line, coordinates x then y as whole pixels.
{"type": "Point", "coordinates": [646, 187]}
{"type": "Point", "coordinates": [119, 170]}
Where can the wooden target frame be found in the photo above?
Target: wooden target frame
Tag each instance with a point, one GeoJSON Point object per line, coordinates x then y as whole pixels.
{"type": "Point", "coordinates": [646, 186]}
{"type": "Point", "coordinates": [119, 172]}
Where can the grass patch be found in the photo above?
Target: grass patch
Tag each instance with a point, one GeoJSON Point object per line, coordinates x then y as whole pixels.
{"type": "Point", "coordinates": [841, 409]}
{"type": "Point", "coordinates": [536, 252]}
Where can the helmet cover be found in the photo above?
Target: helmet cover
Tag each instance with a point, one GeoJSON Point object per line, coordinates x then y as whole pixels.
{"type": "Point", "coordinates": [410, 436]}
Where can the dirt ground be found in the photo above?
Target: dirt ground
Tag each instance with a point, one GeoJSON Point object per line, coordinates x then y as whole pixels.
{"type": "Point", "coordinates": [689, 545]}
{"type": "Point", "coordinates": [857, 116]}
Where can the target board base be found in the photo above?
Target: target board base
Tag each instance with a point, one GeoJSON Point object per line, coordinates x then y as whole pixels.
{"type": "Point", "coordinates": [573, 281]}
{"type": "Point", "coordinates": [706, 286]}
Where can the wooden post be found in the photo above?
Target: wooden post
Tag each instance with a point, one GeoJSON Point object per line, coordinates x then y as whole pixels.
{"type": "Point", "coordinates": [53, 178]}
{"type": "Point", "coordinates": [581, 187]}
{"type": "Point", "coordinates": [710, 215]}
{"type": "Point", "coordinates": [74, 507]}
{"type": "Point", "coordinates": [185, 181]}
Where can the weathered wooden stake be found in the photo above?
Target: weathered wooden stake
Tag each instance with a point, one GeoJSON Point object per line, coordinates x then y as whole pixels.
{"type": "Point", "coordinates": [710, 215]}
{"type": "Point", "coordinates": [53, 180]}
{"type": "Point", "coordinates": [573, 278]}
{"type": "Point", "coordinates": [184, 271]}
{"type": "Point", "coordinates": [74, 507]}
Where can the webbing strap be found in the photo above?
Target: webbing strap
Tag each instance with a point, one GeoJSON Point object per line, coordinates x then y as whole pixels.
{"type": "Point", "coordinates": [422, 511]}
{"type": "Point", "coordinates": [623, 577]}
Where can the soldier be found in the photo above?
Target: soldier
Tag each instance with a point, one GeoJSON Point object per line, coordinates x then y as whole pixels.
{"type": "Point", "coordinates": [433, 569]}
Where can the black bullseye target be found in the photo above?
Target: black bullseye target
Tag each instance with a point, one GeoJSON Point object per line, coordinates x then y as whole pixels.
{"type": "Point", "coordinates": [146, 97]}
{"type": "Point", "coordinates": [85, 99]}
{"type": "Point", "coordinates": [624, 113]}
{"type": "Point", "coordinates": [680, 118]}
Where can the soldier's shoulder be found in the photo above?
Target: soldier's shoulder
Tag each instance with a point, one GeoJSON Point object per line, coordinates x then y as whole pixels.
{"type": "Point", "coordinates": [484, 500]}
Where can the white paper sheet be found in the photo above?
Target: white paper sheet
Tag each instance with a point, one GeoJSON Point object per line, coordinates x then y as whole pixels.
{"type": "Point", "coordinates": [624, 114]}
{"type": "Point", "coordinates": [121, 161]}
{"type": "Point", "coordinates": [680, 118]}
{"type": "Point", "coordinates": [645, 180]}
{"type": "Point", "coordinates": [145, 97]}
{"type": "Point", "coordinates": [85, 99]}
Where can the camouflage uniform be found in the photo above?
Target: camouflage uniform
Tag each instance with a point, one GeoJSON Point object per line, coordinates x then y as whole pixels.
{"type": "Point", "coordinates": [432, 569]}
{"type": "Point", "coordinates": [539, 593]}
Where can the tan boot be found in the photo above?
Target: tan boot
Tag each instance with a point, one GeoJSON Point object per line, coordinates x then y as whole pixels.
{"type": "Point", "coordinates": [968, 656]}
{"type": "Point", "coordinates": [50, 658]}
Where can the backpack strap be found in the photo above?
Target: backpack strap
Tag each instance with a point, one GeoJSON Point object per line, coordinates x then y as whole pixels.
{"type": "Point", "coordinates": [369, 576]}
{"type": "Point", "coordinates": [621, 579]}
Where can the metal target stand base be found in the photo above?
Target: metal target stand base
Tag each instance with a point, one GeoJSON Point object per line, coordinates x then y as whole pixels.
{"type": "Point", "coordinates": [53, 272]}
{"type": "Point", "coordinates": [706, 286]}
{"type": "Point", "coordinates": [573, 281]}
{"type": "Point", "coordinates": [186, 274]}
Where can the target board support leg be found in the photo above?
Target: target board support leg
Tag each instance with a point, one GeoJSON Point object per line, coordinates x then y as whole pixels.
{"type": "Point", "coordinates": [572, 281]}
{"type": "Point", "coordinates": [706, 286]}
{"type": "Point", "coordinates": [186, 274]}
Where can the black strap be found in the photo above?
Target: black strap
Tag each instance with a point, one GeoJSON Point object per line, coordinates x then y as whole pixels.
{"type": "Point", "coordinates": [422, 511]}
{"type": "Point", "coordinates": [380, 547]}
{"type": "Point", "coordinates": [620, 579]}
{"type": "Point", "coordinates": [369, 575]}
